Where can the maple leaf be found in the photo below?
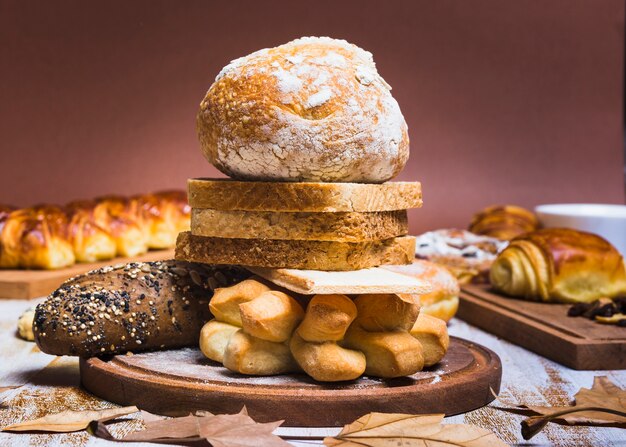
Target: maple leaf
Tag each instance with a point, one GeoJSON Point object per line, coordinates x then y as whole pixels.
{"type": "Point", "coordinates": [388, 429]}
{"type": "Point", "coordinates": [603, 404]}
{"type": "Point", "coordinates": [224, 430]}
{"type": "Point", "coordinates": [70, 421]}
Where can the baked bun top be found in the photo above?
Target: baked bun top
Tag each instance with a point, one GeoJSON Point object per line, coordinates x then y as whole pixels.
{"type": "Point", "coordinates": [314, 109]}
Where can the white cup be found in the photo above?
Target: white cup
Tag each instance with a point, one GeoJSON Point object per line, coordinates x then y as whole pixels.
{"type": "Point", "coordinates": [608, 221]}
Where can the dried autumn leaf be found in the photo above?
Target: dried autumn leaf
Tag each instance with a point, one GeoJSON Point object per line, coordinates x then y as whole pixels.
{"type": "Point", "coordinates": [163, 431]}
{"type": "Point", "coordinates": [387, 429]}
{"type": "Point", "coordinates": [603, 404]}
{"type": "Point", "coordinates": [69, 421]}
{"type": "Point", "coordinates": [603, 394]}
{"type": "Point", "coordinates": [240, 430]}
{"type": "Point", "coordinates": [7, 388]}
{"type": "Point", "coordinates": [226, 430]}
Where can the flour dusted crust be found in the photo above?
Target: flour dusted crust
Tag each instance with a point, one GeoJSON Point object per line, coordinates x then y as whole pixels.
{"type": "Point", "coordinates": [314, 109]}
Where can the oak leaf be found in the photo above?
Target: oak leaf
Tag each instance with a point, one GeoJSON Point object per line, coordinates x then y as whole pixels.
{"type": "Point", "coordinates": [388, 429]}
{"type": "Point", "coordinates": [70, 421]}
{"type": "Point", "coordinates": [603, 404]}
{"type": "Point", "coordinates": [225, 430]}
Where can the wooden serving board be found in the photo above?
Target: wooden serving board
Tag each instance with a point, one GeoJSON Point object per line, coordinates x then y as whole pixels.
{"type": "Point", "coordinates": [181, 381]}
{"type": "Point", "coordinates": [28, 284]}
{"type": "Point", "coordinates": [546, 329]}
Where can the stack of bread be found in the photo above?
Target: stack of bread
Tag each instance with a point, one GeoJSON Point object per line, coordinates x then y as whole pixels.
{"type": "Point", "coordinates": [309, 134]}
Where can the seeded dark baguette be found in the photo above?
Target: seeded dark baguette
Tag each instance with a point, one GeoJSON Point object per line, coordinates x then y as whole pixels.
{"type": "Point", "coordinates": [130, 307]}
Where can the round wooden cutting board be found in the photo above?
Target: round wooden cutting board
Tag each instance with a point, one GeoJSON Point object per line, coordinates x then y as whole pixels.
{"type": "Point", "coordinates": [181, 381]}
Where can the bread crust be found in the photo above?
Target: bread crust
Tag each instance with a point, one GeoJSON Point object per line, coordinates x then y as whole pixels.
{"type": "Point", "coordinates": [341, 227]}
{"type": "Point", "coordinates": [314, 109]}
{"type": "Point", "coordinates": [229, 195]}
{"type": "Point", "coordinates": [129, 307]}
{"type": "Point", "coordinates": [311, 255]}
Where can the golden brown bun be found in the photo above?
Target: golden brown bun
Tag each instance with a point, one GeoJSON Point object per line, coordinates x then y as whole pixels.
{"type": "Point", "coordinates": [90, 241]}
{"type": "Point", "coordinates": [432, 333]}
{"type": "Point", "coordinates": [504, 222]}
{"type": "Point", "coordinates": [314, 109]}
{"type": "Point", "coordinates": [380, 331]}
{"type": "Point", "coordinates": [254, 356]}
{"type": "Point", "coordinates": [327, 318]}
{"type": "Point", "coordinates": [560, 265]}
{"type": "Point", "coordinates": [272, 316]}
{"type": "Point", "coordinates": [443, 301]}
{"type": "Point", "coordinates": [36, 238]}
{"type": "Point", "coordinates": [327, 361]}
{"type": "Point", "coordinates": [315, 346]}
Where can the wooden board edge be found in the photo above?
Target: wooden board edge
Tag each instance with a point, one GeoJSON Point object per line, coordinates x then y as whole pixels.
{"type": "Point", "coordinates": [104, 381]}
{"type": "Point", "coordinates": [573, 352]}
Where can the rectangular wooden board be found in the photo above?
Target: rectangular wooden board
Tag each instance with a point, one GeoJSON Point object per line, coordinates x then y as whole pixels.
{"type": "Point", "coordinates": [545, 328]}
{"type": "Point", "coordinates": [28, 284]}
{"type": "Point", "coordinates": [372, 280]}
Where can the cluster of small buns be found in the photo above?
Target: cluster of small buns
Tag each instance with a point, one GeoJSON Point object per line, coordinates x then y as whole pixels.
{"type": "Point", "coordinates": [52, 237]}
{"type": "Point", "coordinates": [261, 331]}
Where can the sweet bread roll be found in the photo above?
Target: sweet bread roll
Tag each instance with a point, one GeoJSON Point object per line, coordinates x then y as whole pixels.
{"type": "Point", "coordinates": [559, 265]}
{"type": "Point", "coordinates": [225, 303]}
{"type": "Point", "coordinates": [327, 318]}
{"type": "Point", "coordinates": [386, 312]}
{"type": "Point", "coordinates": [315, 346]}
{"type": "Point", "coordinates": [504, 222]}
{"type": "Point", "coordinates": [251, 355]}
{"type": "Point", "coordinates": [36, 238]}
{"type": "Point", "coordinates": [163, 214]}
{"type": "Point", "coordinates": [90, 241]}
{"type": "Point", "coordinates": [432, 333]}
{"type": "Point", "coordinates": [314, 109]}
{"type": "Point", "coordinates": [443, 301]}
{"type": "Point", "coordinates": [214, 338]}
{"type": "Point", "coordinates": [387, 354]}
{"type": "Point", "coordinates": [119, 217]}
{"type": "Point", "coordinates": [380, 331]}
{"type": "Point", "coordinates": [327, 361]}
{"type": "Point", "coordinates": [271, 316]}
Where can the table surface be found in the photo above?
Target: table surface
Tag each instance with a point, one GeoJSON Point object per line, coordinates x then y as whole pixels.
{"type": "Point", "coordinates": [50, 384]}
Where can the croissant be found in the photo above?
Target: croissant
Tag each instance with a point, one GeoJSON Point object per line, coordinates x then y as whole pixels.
{"type": "Point", "coordinates": [504, 222]}
{"type": "Point", "coordinates": [559, 265]}
{"type": "Point", "coordinates": [36, 238]}
{"type": "Point", "coordinates": [90, 241]}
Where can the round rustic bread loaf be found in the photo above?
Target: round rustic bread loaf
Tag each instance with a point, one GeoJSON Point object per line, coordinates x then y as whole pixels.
{"type": "Point", "coordinates": [314, 109]}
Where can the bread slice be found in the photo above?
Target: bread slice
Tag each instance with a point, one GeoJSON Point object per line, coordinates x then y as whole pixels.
{"type": "Point", "coordinates": [341, 227]}
{"type": "Point", "coordinates": [357, 282]}
{"type": "Point", "coordinates": [311, 255]}
{"type": "Point", "coordinates": [226, 194]}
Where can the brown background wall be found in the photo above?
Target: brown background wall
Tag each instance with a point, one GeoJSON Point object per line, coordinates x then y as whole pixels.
{"type": "Point", "coordinates": [506, 101]}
